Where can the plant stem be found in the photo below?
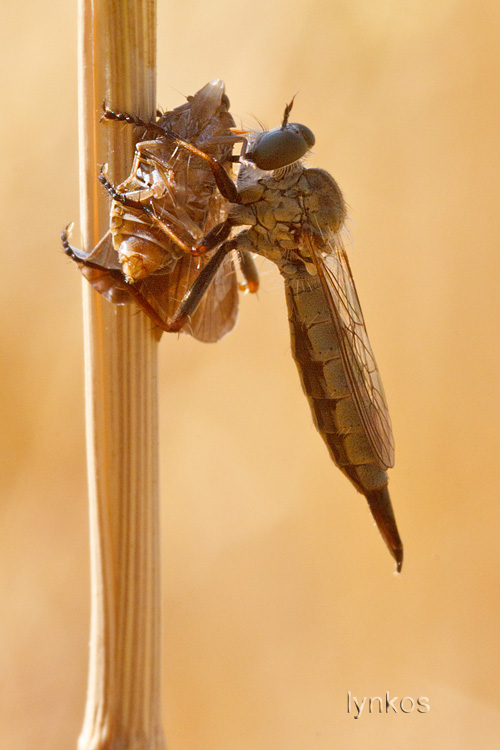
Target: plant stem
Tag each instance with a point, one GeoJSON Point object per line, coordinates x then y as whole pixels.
{"type": "Point", "coordinates": [117, 63]}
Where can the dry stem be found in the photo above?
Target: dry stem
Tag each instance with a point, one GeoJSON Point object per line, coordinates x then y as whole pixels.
{"type": "Point", "coordinates": [117, 59]}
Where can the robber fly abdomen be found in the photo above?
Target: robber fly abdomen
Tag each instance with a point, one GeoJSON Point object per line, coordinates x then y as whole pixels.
{"type": "Point", "coordinates": [317, 353]}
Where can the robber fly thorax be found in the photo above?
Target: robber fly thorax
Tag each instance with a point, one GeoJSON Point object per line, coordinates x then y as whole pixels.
{"type": "Point", "coordinates": [282, 206]}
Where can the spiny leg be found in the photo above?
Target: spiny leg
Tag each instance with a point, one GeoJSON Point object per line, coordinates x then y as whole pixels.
{"type": "Point", "coordinates": [72, 252]}
{"type": "Point", "coordinates": [106, 281]}
{"type": "Point", "coordinates": [190, 301]}
{"type": "Point", "coordinates": [219, 234]}
{"type": "Point", "coordinates": [214, 237]}
{"type": "Point", "coordinates": [110, 114]}
{"type": "Point", "coordinates": [225, 184]}
{"type": "Point", "coordinates": [197, 291]}
{"type": "Point", "coordinates": [188, 304]}
{"type": "Point", "coordinates": [192, 249]}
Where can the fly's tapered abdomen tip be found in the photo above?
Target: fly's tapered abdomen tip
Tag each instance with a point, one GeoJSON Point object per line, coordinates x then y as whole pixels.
{"type": "Point", "coordinates": [398, 556]}
{"type": "Point", "coordinates": [381, 509]}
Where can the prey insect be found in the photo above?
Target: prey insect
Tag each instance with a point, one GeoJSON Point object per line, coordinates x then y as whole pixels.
{"type": "Point", "coordinates": [154, 252]}
{"type": "Point", "coordinates": [294, 216]}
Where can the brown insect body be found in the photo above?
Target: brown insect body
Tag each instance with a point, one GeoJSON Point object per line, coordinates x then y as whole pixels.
{"type": "Point", "coordinates": [295, 216]}
{"type": "Point", "coordinates": [137, 259]}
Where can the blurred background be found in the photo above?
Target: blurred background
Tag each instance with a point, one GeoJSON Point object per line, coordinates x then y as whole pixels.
{"type": "Point", "coordinates": [278, 593]}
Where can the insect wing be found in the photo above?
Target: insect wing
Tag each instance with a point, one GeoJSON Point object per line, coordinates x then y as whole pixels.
{"type": "Point", "coordinates": [160, 295]}
{"type": "Point", "coordinates": [359, 362]}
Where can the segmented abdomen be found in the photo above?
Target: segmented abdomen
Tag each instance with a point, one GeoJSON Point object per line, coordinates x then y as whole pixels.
{"type": "Point", "coordinates": [316, 350]}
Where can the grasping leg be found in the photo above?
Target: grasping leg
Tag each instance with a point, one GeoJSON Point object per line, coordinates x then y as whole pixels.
{"type": "Point", "coordinates": [225, 184]}
{"type": "Point", "coordinates": [136, 205]}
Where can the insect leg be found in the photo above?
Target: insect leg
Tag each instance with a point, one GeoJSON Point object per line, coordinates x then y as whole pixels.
{"type": "Point", "coordinates": [195, 294]}
{"type": "Point", "coordinates": [109, 114]}
{"type": "Point", "coordinates": [71, 252]}
{"type": "Point", "coordinates": [148, 153]}
{"type": "Point", "coordinates": [218, 234]}
{"type": "Point", "coordinates": [113, 281]}
{"type": "Point", "coordinates": [215, 236]}
{"type": "Point", "coordinates": [192, 248]}
{"type": "Point", "coordinates": [223, 181]}
{"type": "Point", "coordinates": [107, 281]}
{"type": "Point", "coordinates": [249, 271]}
{"type": "Point", "coordinates": [248, 268]}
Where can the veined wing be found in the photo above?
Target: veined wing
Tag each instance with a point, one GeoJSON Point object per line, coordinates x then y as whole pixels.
{"type": "Point", "coordinates": [159, 294]}
{"type": "Point", "coordinates": [217, 312]}
{"type": "Point", "coordinates": [363, 376]}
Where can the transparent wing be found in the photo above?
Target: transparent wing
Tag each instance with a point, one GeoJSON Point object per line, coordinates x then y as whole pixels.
{"type": "Point", "coordinates": [218, 310]}
{"type": "Point", "coordinates": [160, 294]}
{"type": "Point", "coordinates": [363, 376]}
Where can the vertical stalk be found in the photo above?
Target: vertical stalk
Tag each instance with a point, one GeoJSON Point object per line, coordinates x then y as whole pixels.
{"type": "Point", "coordinates": [117, 63]}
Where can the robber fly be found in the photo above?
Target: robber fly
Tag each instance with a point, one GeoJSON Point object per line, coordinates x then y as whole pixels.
{"type": "Point", "coordinates": [167, 204]}
{"type": "Point", "coordinates": [293, 216]}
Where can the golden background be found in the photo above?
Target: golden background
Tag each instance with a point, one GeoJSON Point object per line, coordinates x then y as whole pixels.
{"type": "Point", "coordinates": [278, 593]}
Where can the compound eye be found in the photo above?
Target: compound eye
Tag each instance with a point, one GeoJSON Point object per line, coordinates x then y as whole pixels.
{"type": "Point", "coordinates": [280, 147]}
{"type": "Point", "coordinates": [306, 133]}
{"type": "Point", "coordinates": [225, 101]}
